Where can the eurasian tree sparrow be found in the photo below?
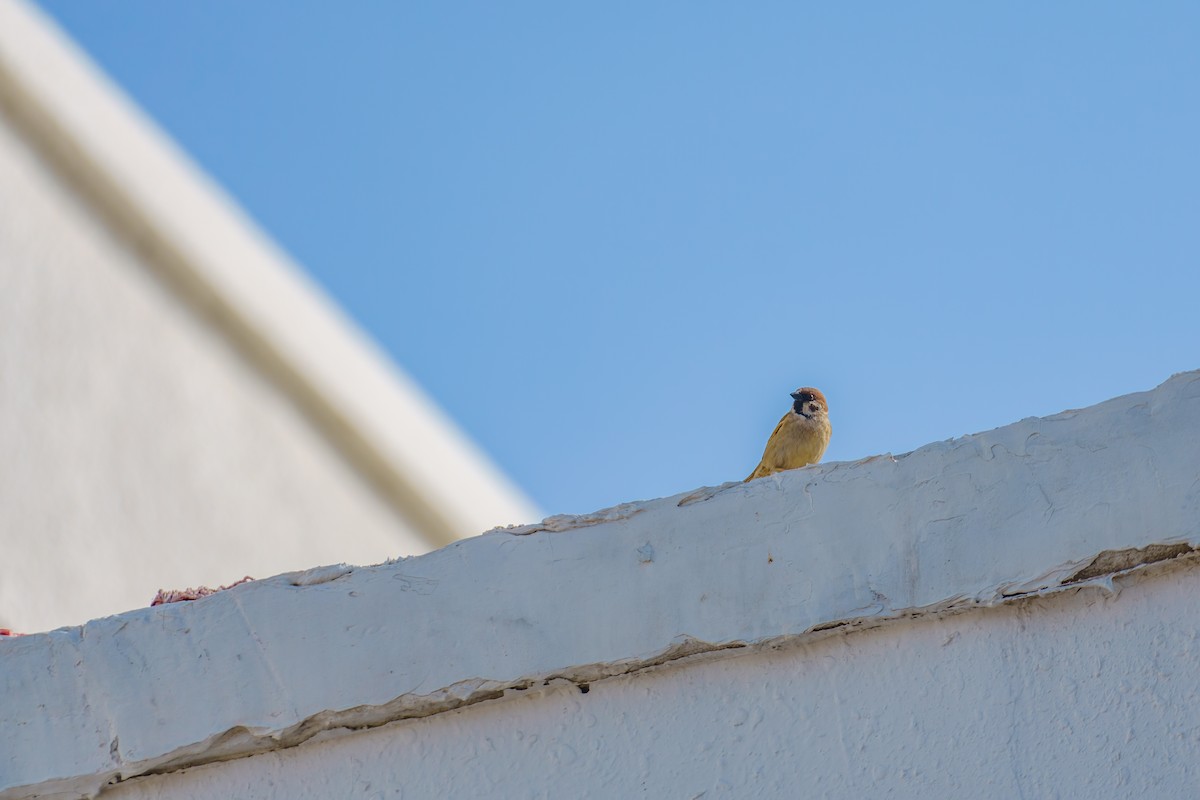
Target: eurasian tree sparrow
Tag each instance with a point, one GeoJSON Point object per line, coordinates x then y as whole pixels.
{"type": "Point", "coordinates": [801, 436]}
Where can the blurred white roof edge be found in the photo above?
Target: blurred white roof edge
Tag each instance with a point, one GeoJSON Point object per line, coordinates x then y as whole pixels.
{"type": "Point", "coordinates": [184, 226]}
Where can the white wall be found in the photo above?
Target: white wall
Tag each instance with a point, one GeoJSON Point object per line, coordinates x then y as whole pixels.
{"type": "Point", "coordinates": [137, 449]}
{"type": "Point", "coordinates": [193, 236]}
{"type": "Point", "coordinates": [178, 404]}
{"type": "Point", "coordinates": [934, 619]}
{"type": "Point", "coordinates": [1075, 695]}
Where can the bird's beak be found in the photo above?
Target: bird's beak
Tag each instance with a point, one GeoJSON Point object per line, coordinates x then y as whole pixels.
{"type": "Point", "coordinates": [795, 395]}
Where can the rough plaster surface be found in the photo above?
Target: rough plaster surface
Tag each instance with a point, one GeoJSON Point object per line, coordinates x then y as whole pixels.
{"type": "Point", "coordinates": [139, 451]}
{"type": "Point", "coordinates": [953, 528]}
{"type": "Point", "coordinates": [1078, 695]}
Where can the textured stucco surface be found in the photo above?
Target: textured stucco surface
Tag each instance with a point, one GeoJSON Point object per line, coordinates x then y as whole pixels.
{"type": "Point", "coordinates": [1078, 695]}
{"type": "Point", "coordinates": [139, 450]}
{"type": "Point", "coordinates": [957, 528]}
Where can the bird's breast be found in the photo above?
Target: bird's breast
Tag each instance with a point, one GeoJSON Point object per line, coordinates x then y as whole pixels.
{"type": "Point", "coordinates": [804, 440]}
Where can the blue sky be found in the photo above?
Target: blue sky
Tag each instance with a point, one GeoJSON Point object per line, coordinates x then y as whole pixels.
{"type": "Point", "coordinates": [610, 239]}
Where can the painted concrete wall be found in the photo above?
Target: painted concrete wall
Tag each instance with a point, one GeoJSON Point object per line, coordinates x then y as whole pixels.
{"type": "Point", "coordinates": [1012, 613]}
{"type": "Point", "coordinates": [139, 451]}
{"type": "Point", "coordinates": [195, 239]}
{"type": "Point", "coordinates": [178, 404]}
{"type": "Point", "coordinates": [1078, 695]}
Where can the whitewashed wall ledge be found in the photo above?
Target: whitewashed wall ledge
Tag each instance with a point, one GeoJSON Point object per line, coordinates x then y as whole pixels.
{"type": "Point", "coordinates": [1013, 613]}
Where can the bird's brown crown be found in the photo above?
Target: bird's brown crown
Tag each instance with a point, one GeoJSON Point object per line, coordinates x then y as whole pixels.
{"type": "Point", "coordinates": [806, 393]}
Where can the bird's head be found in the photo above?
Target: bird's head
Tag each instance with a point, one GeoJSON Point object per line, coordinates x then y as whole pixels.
{"type": "Point", "coordinates": [809, 402]}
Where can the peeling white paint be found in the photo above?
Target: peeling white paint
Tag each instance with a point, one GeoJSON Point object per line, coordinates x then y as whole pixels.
{"type": "Point", "coordinates": [1077, 695]}
{"type": "Point", "coordinates": [976, 522]}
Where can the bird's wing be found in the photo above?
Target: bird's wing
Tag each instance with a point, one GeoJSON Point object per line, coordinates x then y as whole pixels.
{"type": "Point", "coordinates": [771, 455]}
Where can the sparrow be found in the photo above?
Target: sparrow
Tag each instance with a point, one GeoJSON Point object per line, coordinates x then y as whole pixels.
{"type": "Point", "coordinates": [801, 436]}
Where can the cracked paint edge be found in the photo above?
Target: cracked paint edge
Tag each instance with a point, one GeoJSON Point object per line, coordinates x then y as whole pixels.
{"type": "Point", "coordinates": [1098, 572]}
